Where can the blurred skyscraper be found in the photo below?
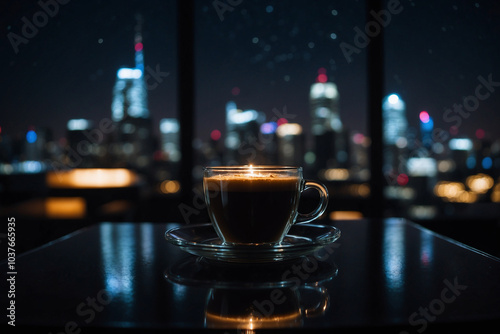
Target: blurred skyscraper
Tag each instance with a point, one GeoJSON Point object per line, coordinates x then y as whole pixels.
{"type": "Point", "coordinates": [290, 144]}
{"type": "Point", "coordinates": [395, 122]}
{"type": "Point", "coordinates": [133, 142]}
{"type": "Point", "coordinates": [6, 153]}
{"type": "Point", "coordinates": [395, 129]}
{"type": "Point", "coordinates": [426, 128]}
{"type": "Point", "coordinates": [330, 142]}
{"type": "Point", "coordinates": [81, 150]}
{"type": "Point", "coordinates": [421, 164]}
{"type": "Point", "coordinates": [170, 139]}
{"type": "Point", "coordinates": [463, 157]}
{"type": "Point", "coordinates": [268, 138]}
{"type": "Point", "coordinates": [34, 149]}
{"type": "Point", "coordinates": [242, 139]}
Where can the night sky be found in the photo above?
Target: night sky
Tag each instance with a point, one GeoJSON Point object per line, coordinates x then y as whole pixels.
{"type": "Point", "coordinates": [263, 55]}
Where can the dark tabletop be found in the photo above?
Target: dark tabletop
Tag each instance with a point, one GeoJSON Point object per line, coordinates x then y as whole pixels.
{"type": "Point", "coordinates": [125, 277]}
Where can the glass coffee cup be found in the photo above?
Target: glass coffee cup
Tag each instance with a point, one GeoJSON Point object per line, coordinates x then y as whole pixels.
{"type": "Point", "coordinates": [254, 205]}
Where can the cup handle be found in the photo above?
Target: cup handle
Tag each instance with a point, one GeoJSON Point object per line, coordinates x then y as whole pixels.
{"type": "Point", "coordinates": [323, 304]}
{"type": "Point", "coordinates": [320, 209]}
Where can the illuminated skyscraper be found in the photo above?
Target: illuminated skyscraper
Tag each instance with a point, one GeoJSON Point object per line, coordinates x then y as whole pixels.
{"type": "Point", "coordinates": [133, 142]}
{"type": "Point", "coordinates": [242, 139]}
{"type": "Point", "coordinates": [395, 122]}
{"type": "Point", "coordinates": [329, 138]}
{"type": "Point", "coordinates": [463, 157]}
{"type": "Point", "coordinates": [170, 141]}
{"type": "Point", "coordinates": [290, 144]}
{"type": "Point", "coordinates": [395, 127]}
{"type": "Point", "coordinates": [324, 103]}
{"type": "Point", "coordinates": [35, 145]}
{"type": "Point", "coordinates": [269, 140]}
{"type": "Point", "coordinates": [5, 148]}
{"type": "Point", "coordinates": [130, 93]}
{"type": "Point", "coordinates": [426, 127]}
{"type": "Point", "coordinates": [82, 149]}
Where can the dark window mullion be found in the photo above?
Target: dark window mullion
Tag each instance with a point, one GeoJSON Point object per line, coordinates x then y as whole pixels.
{"type": "Point", "coordinates": [375, 81]}
{"type": "Point", "coordinates": [185, 103]}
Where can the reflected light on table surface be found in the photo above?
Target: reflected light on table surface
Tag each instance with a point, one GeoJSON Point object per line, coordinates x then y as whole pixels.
{"type": "Point", "coordinates": [394, 256]}
{"type": "Point", "coordinates": [426, 250]}
{"type": "Point", "coordinates": [92, 178]}
{"type": "Point", "coordinates": [121, 251]}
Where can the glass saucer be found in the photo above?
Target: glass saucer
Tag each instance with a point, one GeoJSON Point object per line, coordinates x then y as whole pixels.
{"type": "Point", "coordinates": [202, 240]}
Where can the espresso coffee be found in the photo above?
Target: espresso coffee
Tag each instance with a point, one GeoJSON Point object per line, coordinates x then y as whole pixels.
{"type": "Point", "coordinates": [252, 209]}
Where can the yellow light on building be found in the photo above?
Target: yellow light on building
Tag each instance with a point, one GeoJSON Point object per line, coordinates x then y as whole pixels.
{"type": "Point", "coordinates": [361, 190]}
{"type": "Point", "coordinates": [65, 207]}
{"type": "Point", "coordinates": [480, 183]}
{"type": "Point", "coordinates": [455, 192]}
{"type": "Point", "coordinates": [170, 187]}
{"type": "Point", "coordinates": [448, 189]}
{"type": "Point", "coordinates": [345, 215]}
{"type": "Point", "coordinates": [289, 129]}
{"type": "Point", "coordinates": [91, 178]}
{"type": "Point", "coordinates": [495, 195]}
{"type": "Point", "coordinates": [466, 197]}
{"type": "Point", "coordinates": [446, 166]}
{"type": "Point", "coordinates": [336, 174]}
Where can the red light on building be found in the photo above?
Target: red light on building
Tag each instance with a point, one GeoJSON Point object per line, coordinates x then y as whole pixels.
{"type": "Point", "coordinates": [480, 133]}
{"type": "Point", "coordinates": [424, 117]}
{"type": "Point", "coordinates": [159, 155]}
{"type": "Point", "coordinates": [402, 179]}
{"type": "Point", "coordinates": [215, 135]}
{"type": "Point", "coordinates": [358, 138]}
{"type": "Point", "coordinates": [235, 91]}
{"type": "Point", "coordinates": [453, 130]}
{"type": "Point", "coordinates": [322, 78]}
{"type": "Point", "coordinates": [282, 121]}
{"type": "Point", "coordinates": [138, 47]}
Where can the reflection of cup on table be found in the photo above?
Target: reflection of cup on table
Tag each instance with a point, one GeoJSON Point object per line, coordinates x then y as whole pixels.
{"type": "Point", "coordinates": [261, 308]}
{"type": "Point", "coordinates": [257, 205]}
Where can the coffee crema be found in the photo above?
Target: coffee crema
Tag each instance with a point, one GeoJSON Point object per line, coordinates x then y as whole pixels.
{"type": "Point", "coordinates": [252, 208]}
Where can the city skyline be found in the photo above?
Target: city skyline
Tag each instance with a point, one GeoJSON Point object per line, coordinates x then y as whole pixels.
{"type": "Point", "coordinates": [269, 74]}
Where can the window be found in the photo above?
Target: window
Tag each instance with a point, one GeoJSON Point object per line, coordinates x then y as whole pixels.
{"type": "Point", "coordinates": [90, 85]}
{"type": "Point", "coordinates": [441, 64]}
{"type": "Point", "coordinates": [273, 86]}
{"type": "Point", "coordinates": [95, 85]}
